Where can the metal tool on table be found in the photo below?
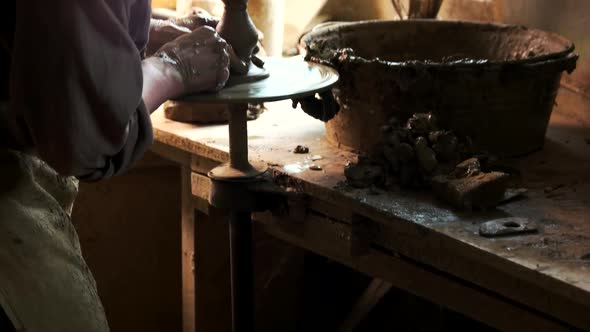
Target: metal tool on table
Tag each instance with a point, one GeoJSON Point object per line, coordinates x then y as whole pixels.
{"type": "Point", "coordinates": [508, 227]}
{"type": "Point", "coordinates": [234, 183]}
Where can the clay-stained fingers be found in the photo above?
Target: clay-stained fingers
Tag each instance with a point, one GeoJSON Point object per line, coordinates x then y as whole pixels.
{"type": "Point", "coordinates": [236, 64]}
{"type": "Point", "coordinates": [195, 38]}
{"type": "Point", "coordinates": [198, 18]}
{"type": "Point", "coordinates": [223, 68]}
{"type": "Point", "coordinates": [205, 32]}
{"type": "Point", "coordinates": [164, 26]}
{"type": "Point", "coordinates": [209, 35]}
{"type": "Point", "coordinates": [222, 78]}
{"type": "Point", "coordinates": [204, 37]}
{"type": "Point", "coordinates": [224, 59]}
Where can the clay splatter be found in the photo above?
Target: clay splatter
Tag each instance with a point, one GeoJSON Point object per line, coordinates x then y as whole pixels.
{"type": "Point", "coordinates": [315, 167]}
{"type": "Point", "coordinates": [300, 149]}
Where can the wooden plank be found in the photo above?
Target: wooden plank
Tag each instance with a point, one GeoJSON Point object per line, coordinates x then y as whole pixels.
{"type": "Point", "coordinates": [527, 286]}
{"type": "Point", "coordinates": [551, 263]}
{"type": "Point", "coordinates": [171, 153]}
{"type": "Point", "coordinates": [356, 233]}
{"type": "Point", "coordinates": [330, 209]}
{"type": "Point", "coordinates": [203, 165]}
{"type": "Point", "coordinates": [438, 288]}
{"type": "Point", "coordinates": [499, 273]}
{"type": "Point", "coordinates": [205, 262]}
{"type": "Point", "coordinates": [200, 186]}
{"type": "Point", "coordinates": [185, 137]}
{"type": "Point", "coordinates": [201, 205]}
{"type": "Point", "coordinates": [188, 250]}
{"type": "Point", "coordinates": [466, 262]}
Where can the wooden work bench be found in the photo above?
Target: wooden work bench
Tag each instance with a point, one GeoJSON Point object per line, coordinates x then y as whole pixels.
{"type": "Point", "coordinates": [536, 282]}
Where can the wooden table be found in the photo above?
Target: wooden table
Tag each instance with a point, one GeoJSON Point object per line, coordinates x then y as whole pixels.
{"type": "Point", "coordinates": [537, 282]}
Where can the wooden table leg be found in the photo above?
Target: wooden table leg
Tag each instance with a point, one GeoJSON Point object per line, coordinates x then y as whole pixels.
{"type": "Point", "coordinates": [242, 271]}
{"type": "Point", "coordinates": [205, 265]}
{"type": "Point", "coordinates": [188, 253]}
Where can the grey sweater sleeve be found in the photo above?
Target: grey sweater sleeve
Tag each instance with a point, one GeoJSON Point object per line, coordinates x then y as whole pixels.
{"type": "Point", "coordinates": [76, 83]}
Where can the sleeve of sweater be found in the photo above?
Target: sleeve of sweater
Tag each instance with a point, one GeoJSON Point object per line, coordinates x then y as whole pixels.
{"type": "Point", "coordinates": [76, 81]}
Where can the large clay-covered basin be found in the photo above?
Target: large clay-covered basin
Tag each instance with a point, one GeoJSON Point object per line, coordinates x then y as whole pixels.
{"type": "Point", "coordinates": [494, 83]}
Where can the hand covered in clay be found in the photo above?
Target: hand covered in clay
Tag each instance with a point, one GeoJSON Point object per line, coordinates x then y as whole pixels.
{"type": "Point", "coordinates": [197, 19]}
{"type": "Point", "coordinates": [202, 60]}
{"type": "Point", "coordinates": [162, 32]}
{"type": "Point", "coordinates": [166, 30]}
{"type": "Point", "coordinates": [200, 18]}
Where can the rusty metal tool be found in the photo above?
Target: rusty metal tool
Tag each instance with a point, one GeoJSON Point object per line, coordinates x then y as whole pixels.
{"type": "Point", "coordinates": [507, 227]}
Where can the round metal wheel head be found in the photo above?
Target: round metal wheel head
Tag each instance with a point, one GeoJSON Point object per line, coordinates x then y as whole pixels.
{"type": "Point", "coordinates": [289, 78]}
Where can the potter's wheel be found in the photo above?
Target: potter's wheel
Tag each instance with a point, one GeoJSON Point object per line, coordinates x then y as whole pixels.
{"type": "Point", "coordinates": [233, 183]}
{"type": "Point", "coordinates": [289, 78]}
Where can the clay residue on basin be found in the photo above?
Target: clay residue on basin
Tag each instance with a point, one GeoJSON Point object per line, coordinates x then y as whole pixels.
{"type": "Point", "coordinates": [438, 42]}
{"type": "Point", "coordinates": [478, 79]}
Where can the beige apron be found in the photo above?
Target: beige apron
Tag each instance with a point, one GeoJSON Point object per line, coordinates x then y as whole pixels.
{"type": "Point", "coordinates": [45, 285]}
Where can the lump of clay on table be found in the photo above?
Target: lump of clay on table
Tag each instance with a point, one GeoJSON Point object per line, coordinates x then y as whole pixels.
{"type": "Point", "coordinates": [394, 134]}
{"type": "Point", "coordinates": [405, 153]}
{"type": "Point", "coordinates": [300, 149]}
{"type": "Point", "coordinates": [421, 124]}
{"type": "Point", "coordinates": [469, 167]}
{"type": "Point", "coordinates": [417, 154]}
{"type": "Point", "coordinates": [469, 188]}
{"type": "Point", "coordinates": [426, 156]}
{"type": "Point", "coordinates": [445, 144]}
{"type": "Point", "coordinates": [363, 174]}
{"type": "Point", "coordinates": [196, 112]}
{"type": "Point", "coordinates": [389, 153]}
{"type": "Point", "coordinates": [409, 175]}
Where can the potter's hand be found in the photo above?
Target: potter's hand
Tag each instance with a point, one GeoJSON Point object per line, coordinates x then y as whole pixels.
{"type": "Point", "coordinates": [197, 19]}
{"type": "Point", "coordinates": [200, 17]}
{"type": "Point", "coordinates": [201, 60]}
{"type": "Point", "coordinates": [162, 32]}
{"type": "Point", "coordinates": [166, 30]}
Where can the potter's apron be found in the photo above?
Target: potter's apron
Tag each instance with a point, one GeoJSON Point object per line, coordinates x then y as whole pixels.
{"type": "Point", "coordinates": [45, 285]}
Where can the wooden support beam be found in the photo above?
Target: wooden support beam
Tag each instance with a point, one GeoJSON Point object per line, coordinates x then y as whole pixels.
{"type": "Point", "coordinates": [376, 290]}
{"type": "Point", "coordinates": [320, 236]}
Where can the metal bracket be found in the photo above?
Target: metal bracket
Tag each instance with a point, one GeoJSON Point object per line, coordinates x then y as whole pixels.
{"type": "Point", "coordinates": [257, 195]}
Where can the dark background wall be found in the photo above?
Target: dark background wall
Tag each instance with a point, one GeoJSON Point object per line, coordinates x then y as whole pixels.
{"type": "Point", "coordinates": [570, 18]}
